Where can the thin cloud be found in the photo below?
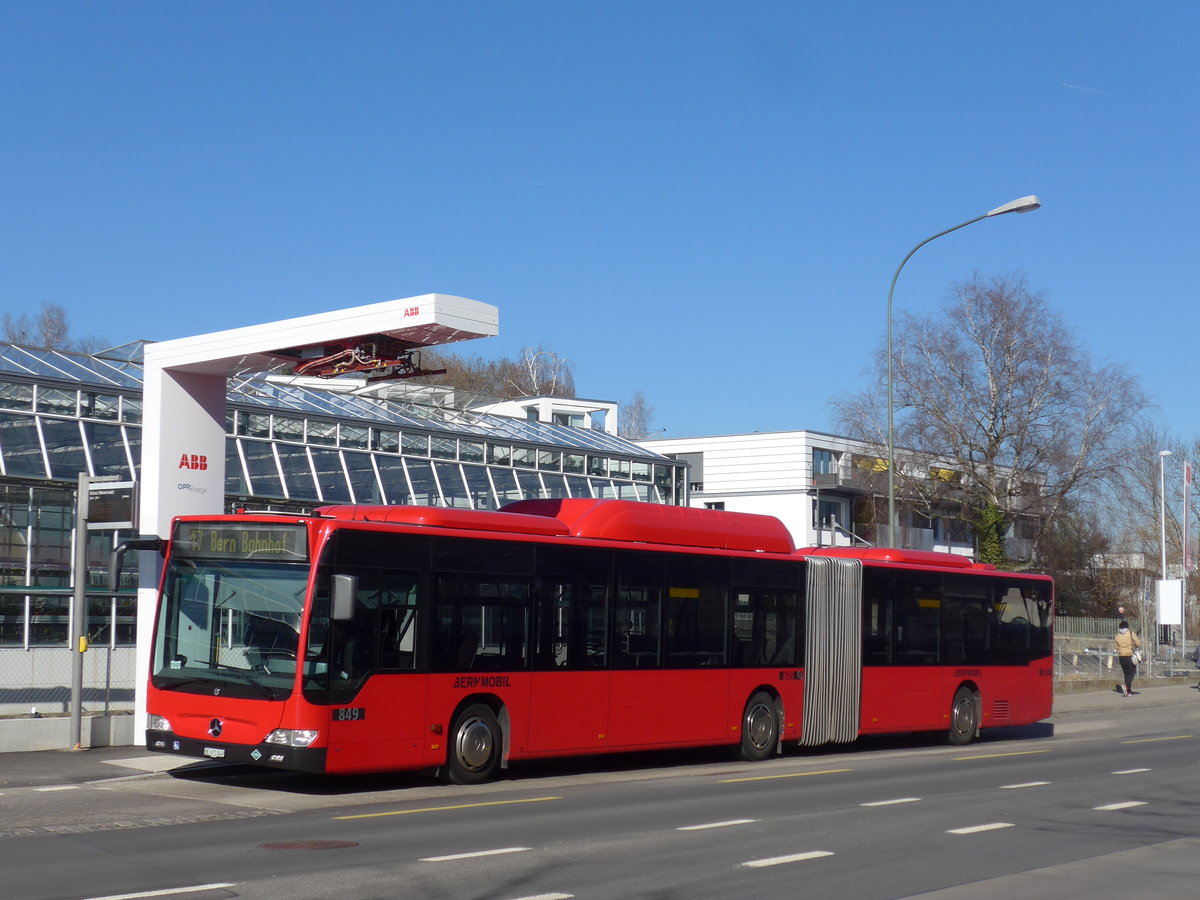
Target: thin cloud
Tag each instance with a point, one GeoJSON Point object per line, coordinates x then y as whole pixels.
{"type": "Point", "coordinates": [1086, 90]}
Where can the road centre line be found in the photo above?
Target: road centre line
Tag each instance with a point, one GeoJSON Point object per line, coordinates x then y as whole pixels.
{"type": "Point", "coordinates": [716, 825]}
{"type": "Point", "coordinates": [409, 812]}
{"type": "Point", "coordinates": [1027, 784]}
{"type": "Point", "coordinates": [998, 755]}
{"type": "Point", "coordinates": [789, 775]}
{"type": "Point", "coordinates": [194, 889]}
{"type": "Point", "coordinates": [1176, 737]}
{"type": "Point", "coordinates": [892, 802]}
{"type": "Point", "coordinates": [975, 829]}
{"type": "Point", "coordinates": [476, 855]}
{"type": "Point", "coordinates": [1130, 771]}
{"type": "Point", "coordinates": [1128, 804]}
{"type": "Point", "coordinates": [548, 897]}
{"type": "Point", "coordinates": [782, 860]}
{"type": "Point", "coordinates": [58, 787]}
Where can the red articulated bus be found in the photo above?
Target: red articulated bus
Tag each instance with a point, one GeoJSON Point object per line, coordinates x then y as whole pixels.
{"type": "Point", "coordinates": [364, 639]}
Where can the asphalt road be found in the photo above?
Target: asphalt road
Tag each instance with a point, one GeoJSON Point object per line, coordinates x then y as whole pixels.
{"type": "Point", "coordinates": [1101, 804]}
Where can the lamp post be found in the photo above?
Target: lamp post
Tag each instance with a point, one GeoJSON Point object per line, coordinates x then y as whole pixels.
{"type": "Point", "coordinates": [1020, 205]}
{"type": "Point", "coordinates": [1162, 507]}
{"type": "Point", "coordinates": [1162, 537]}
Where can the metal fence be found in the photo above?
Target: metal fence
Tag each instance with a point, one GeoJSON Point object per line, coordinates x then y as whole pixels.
{"type": "Point", "coordinates": [36, 651]}
{"type": "Point", "coordinates": [37, 681]}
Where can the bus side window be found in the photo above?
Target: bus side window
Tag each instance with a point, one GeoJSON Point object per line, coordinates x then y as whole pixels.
{"type": "Point", "coordinates": [697, 611]}
{"type": "Point", "coordinates": [877, 622]}
{"type": "Point", "coordinates": [918, 618]}
{"type": "Point", "coordinates": [766, 630]}
{"type": "Point", "coordinates": [398, 620]}
{"type": "Point", "coordinates": [965, 621]}
{"type": "Point", "coordinates": [638, 610]}
{"type": "Point", "coordinates": [571, 609]}
{"type": "Point", "coordinates": [480, 624]}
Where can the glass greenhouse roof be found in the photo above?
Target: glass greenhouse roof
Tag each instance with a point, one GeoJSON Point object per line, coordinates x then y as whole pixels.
{"type": "Point", "coordinates": [120, 369]}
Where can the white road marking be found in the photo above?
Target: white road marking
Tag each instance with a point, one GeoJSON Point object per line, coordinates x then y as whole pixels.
{"type": "Point", "coordinates": [1013, 787]}
{"type": "Point", "coordinates": [716, 825]}
{"type": "Point", "coordinates": [975, 829]}
{"type": "Point", "coordinates": [1130, 771]}
{"type": "Point", "coordinates": [475, 855]}
{"type": "Point", "coordinates": [892, 802]}
{"type": "Point", "coordinates": [782, 860]}
{"type": "Point", "coordinates": [548, 897]}
{"type": "Point", "coordinates": [195, 888]}
{"type": "Point", "coordinates": [58, 787]}
{"type": "Point", "coordinates": [1128, 804]}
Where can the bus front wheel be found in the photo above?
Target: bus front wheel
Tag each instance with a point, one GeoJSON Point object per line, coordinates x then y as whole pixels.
{"type": "Point", "coordinates": [475, 741]}
{"type": "Point", "coordinates": [760, 728]}
{"type": "Point", "coordinates": [964, 717]}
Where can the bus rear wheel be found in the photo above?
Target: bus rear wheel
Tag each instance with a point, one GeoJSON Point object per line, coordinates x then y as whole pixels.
{"type": "Point", "coordinates": [475, 741]}
{"type": "Point", "coordinates": [760, 728]}
{"type": "Point", "coordinates": [964, 717]}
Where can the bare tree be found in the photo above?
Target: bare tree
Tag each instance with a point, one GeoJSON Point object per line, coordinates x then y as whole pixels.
{"type": "Point", "coordinates": [636, 417]}
{"type": "Point", "coordinates": [999, 411]}
{"type": "Point", "coordinates": [48, 329]}
{"type": "Point", "coordinates": [16, 328]}
{"type": "Point", "coordinates": [537, 372]}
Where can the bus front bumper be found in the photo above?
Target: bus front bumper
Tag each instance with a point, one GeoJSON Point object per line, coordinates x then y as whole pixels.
{"type": "Point", "coordinates": [272, 755]}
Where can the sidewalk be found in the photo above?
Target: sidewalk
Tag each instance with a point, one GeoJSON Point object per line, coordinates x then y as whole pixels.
{"type": "Point", "coordinates": [1148, 695]}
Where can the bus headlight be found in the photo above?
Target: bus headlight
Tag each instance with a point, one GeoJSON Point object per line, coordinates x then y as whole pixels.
{"type": "Point", "coordinates": [289, 737]}
{"type": "Point", "coordinates": [157, 723]}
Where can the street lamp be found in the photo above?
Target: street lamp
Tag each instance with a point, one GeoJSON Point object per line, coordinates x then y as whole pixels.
{"type": "Point", "coordinates": [1162, 507]}
{"type": "Point", "coordinates": [1020, 205]}
{"type": "Point", "coordinates": [1162, 536]}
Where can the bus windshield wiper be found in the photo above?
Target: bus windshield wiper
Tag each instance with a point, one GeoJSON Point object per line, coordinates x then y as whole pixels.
{"type": "Point", "coordinates": [267, 692]}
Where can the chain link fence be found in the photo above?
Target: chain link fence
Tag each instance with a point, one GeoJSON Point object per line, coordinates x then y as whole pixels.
{"type": "Point", "coordinates": [36, 653]}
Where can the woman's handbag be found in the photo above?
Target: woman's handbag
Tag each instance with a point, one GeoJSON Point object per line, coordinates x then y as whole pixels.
{"type": "Point", "coordinates": [1137, 656]}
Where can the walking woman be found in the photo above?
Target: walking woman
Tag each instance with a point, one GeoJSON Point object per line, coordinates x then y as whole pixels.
{"type": "Point", "coordinates": [1126, 644]}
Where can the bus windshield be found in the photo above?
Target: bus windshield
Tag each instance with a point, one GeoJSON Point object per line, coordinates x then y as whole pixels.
{"type": "Point", "coordinates": [230, 624]}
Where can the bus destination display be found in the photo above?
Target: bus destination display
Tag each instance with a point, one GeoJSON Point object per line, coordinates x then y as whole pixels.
{"type": "Point", "coordinates": [231, 540]}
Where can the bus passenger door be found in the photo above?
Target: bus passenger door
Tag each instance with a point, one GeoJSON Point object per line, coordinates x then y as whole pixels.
{"type": "Point", "coordinates": [378, 702]}
{"type": "Point", "coordinates": [569, 688]}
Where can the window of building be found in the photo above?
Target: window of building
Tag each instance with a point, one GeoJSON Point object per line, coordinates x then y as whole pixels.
{"type": "Point", "coordinates": [56, 400]}
{"type": "Point", "coordinates": [825, 462]}
{"type": "Point", "coordinates": [14, 395]}
{"type": "Point", "coordinates": [413, 444]}
{"type": "Point", "coordinates": [323, 433]}
{"type": "Point", "coordinates": [353, 436]}
{"type": "Point", "coordinates": [443, 448]}
{"type": "Point", "coordinates": [93, 405]}
{"type": "Point", "coordinates": [385, 441]}
{"type": "Point", "coordinates": [827, 512]}
{"type": "Point", "coordinates": [470, 451]}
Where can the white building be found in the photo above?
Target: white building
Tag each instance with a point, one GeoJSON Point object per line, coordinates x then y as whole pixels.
{"type": "Point", "coordinates": [825, 488]}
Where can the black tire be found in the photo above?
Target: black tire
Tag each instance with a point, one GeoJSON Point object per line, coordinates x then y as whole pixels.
{"type": "Point", "coordinates": [475, 746]}
{"type": "Point", "coordinates": [964, 717]}
{"type": "Point", "coordinates": [760, 728]}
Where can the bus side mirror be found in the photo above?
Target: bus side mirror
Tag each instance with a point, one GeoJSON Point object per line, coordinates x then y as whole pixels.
{"type": "Point", "coordinates": [118, 557]}
{"type": "Point", "coordinates": [343, 596]}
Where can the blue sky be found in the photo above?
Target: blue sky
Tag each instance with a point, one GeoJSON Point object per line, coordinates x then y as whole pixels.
{"type": "Point", "coordinates": [701, 201]}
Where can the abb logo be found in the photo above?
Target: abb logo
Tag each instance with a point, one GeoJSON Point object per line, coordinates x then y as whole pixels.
{"type": "Point", "coordinates": [412, 311]}
{"type": "Point", "coordinates": [194, 462]}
